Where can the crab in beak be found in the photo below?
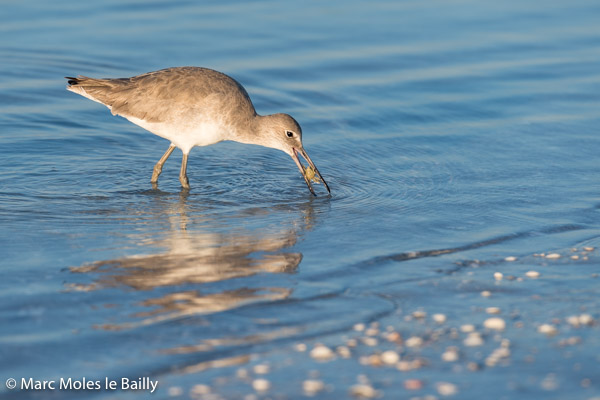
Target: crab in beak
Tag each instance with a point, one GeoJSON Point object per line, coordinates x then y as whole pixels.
{"type": "Point", "coordinates": [315, 176]}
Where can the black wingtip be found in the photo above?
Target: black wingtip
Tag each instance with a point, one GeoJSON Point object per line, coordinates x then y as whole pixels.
{"type": "Point", "coordinates": [71, 80]}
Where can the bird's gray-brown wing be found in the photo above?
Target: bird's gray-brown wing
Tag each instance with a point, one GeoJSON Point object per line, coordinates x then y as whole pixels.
{"type": "Point", "coordinates": [162, 95]}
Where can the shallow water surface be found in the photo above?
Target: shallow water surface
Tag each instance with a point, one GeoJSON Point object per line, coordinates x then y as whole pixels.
{"type": "Point", "coordinates": [460, 139]}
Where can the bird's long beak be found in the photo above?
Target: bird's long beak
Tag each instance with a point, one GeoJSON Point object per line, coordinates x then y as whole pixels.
{"type": "Point", "coordinates": [303, 171]}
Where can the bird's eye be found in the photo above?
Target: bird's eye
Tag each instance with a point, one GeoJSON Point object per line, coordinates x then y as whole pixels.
{"type": "Point", "coordinates": [289, 133]}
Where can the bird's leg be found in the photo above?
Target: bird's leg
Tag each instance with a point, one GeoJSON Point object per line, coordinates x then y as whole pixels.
{"type": "Point", "coordinates": [159, 165]}
{"type": "Point", "coordinates": [182, 174]}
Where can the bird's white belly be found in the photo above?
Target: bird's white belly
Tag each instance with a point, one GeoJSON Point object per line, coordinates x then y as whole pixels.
{"type": "Point", "coordinates": [185, 135]}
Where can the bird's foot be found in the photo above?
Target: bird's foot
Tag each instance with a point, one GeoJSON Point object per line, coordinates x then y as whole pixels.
{"type": "Point", "coordinates": [185, 183]}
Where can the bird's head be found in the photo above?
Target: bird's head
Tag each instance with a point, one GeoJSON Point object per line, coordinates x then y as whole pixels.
{"type": "Point", "coordinates": [282, 132]}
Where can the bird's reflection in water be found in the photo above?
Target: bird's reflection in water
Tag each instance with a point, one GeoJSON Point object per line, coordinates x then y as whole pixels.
{"type": "Point", "coordinates": [192, 256]}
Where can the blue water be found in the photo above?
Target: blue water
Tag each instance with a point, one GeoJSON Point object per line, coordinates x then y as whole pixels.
{"type": "Point", "coordinates": [453, 134]}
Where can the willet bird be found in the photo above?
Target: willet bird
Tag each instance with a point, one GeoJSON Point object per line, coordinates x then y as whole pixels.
{"type": "Point", "coordinates": [193, 106]}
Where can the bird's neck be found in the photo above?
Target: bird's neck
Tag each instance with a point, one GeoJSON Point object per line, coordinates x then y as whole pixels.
{"type": "Point", "coordinates": [253, 131]}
